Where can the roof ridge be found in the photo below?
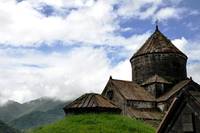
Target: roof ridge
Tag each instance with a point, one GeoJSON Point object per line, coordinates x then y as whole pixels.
{"type": "Point", "coordinates": [156, 79]}
{"type": "Point", "coordinates": [91, 98]}
{"type": "Point", "coordinates": [84, 100]}
{"type": "Point", "coordinates": [122, 80]}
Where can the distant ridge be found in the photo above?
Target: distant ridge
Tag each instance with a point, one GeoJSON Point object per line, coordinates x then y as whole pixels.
{"type": "Point", "coordinates": [33, 113]}
{"type": "Point", "coordinates": [4, 128]}
{"type": "Point", "coordinates": [12, 110]}
{"type": "Point", "coordinates": [38, 118]}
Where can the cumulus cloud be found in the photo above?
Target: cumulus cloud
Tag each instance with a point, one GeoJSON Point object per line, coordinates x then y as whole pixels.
{"type": "Point", "coordinates": [193, 71]}
{"type": "Point", "coordinates": [61, 75]}
{"type": "Point", "coordinates": [169, 13]}
{"type": "Point", "coordinates": [86, 21]}
{"type": "Point", "coordinates": [180, 43]}
{"type": "Point", "coordinates": [138, 8]}
{"type": "Point", "coordinates": [27, 26]}
{"type": "Point", "coordinates": [191, 49]}
{"type": "Point", "coordinates": [122, 70]}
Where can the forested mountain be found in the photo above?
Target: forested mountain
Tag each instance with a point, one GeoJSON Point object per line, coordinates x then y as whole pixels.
{"type": "Point", "coordinates": [38, 118]}
{"type": "Point", "coordinates": [31, 114]}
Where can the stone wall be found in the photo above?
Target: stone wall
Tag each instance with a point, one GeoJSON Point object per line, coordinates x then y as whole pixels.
{"type": "Point", "coordinates": [156, 89]}
{"type": "Point", "coordinates": [170, 66]}
{"type": "Point", "coordinates": [116, 97]}
{"type": "Point", "coordinates": [141, 104]}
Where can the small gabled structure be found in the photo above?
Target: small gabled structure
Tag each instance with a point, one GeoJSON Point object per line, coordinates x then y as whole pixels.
{"type": "Point", "coordinates": [127, 90]}
{"type": "Point", "coordinates": [183, 115]}
{"type": "Point", "coordinates": [156, 85]}
{"type": "Point", "coordinates": [156, 79]}
{"type": "Point", "coordinates": [91, 103]}
{"type": "Point", "coordinates": [165, 100]}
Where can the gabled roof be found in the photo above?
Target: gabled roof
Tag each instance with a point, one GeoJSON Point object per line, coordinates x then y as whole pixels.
{"type": "Point", "coordinates": [176, 108]}
{"type": "Point", "coordinates": [130, 90]}
{"type": "Point", "coordinates": [91, 100]}
{"type": "Point", "coordinates": [156, 79]}
{"type": "Point", "coordinates": [174, 90]}
{"type": "Point", "coordinates": [158, 43]}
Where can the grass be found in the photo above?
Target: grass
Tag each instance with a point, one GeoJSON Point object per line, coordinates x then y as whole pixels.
{"type": "Point", "coordinates": [96, 123]}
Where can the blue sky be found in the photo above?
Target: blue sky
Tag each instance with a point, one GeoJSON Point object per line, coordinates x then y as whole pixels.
{"type": "Point", "coordinates": [62, 49]}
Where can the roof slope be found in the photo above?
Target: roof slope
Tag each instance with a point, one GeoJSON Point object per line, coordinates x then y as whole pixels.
{"type": "Point", "coordinates": [144, 114]}
{"type": "Point", "coordinates": [176, 108]}
{"type": "Point", "coordinates": [156, 79]}
{"type": "Point", "coordinates": [131, 90]}
{"type": "Point", "coordinates": [174, 90]}
{"type": "Point", "coordinates": [91, 100]}
{"type": "Point", "coordinates": [158, 43]}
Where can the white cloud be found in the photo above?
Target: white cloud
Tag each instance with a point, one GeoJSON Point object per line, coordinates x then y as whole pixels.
{"type": "Point", "coordinates": [193, 71]}
{"type": "Point", "coordinates": [91, 22]}
{"type": "Point", "coordinates": [180, 43]}
{"type": "Point", "coordinates": [23, 25]}
{"type": "Point", "coordinates": [190, 47]}
{"type": "Point", "coordinates": [64, 3]}
{"type": "Point", "coordinates": [169, 13]}
{"type": "Point", "coordinates": [192, 50]}
{"type": "Point", "coordinates": [65, 76]}
{"type": "Point", "coordinates": [153, 9]}
{"type": "Point", "coordinates": [133, 8]}
{"type": "Point", "coordinates": [122, 71]}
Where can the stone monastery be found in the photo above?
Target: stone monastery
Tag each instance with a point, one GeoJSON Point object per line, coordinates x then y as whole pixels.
{"type": "Point", "coordinates": [158, 76]}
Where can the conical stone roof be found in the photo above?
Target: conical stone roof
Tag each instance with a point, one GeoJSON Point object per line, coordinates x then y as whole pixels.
{"type": "Point", "coordinates": [158, 43]}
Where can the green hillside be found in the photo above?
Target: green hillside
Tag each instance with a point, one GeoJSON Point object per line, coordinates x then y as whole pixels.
{"type": "Point", "coordinates": [96, 123]}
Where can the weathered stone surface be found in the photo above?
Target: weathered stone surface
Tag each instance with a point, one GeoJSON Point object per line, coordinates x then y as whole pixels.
{"type": "Point", "coordinates": [183, 115]}
{"type": "Point", "coordinates": [170, 66]}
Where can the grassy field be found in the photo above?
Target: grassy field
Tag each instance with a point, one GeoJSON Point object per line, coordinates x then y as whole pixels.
{"type": "Point", "coordinates": [96, 123]}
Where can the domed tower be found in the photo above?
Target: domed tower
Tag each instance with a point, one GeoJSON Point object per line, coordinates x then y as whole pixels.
{"type": "Point", "coordinates": [158, 61]}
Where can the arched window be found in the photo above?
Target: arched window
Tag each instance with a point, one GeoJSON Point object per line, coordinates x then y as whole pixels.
{"type": "Point", "coordinates": [110, 95]}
